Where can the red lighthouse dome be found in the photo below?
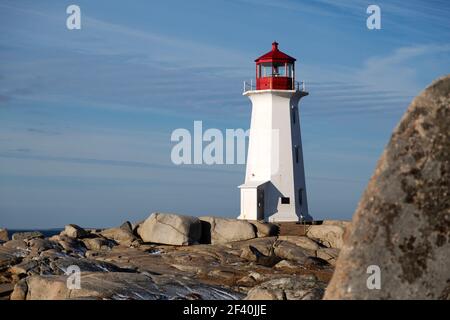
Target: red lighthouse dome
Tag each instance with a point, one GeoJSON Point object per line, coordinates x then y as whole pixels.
{"type": "Point", "coordinates": [275, 70]}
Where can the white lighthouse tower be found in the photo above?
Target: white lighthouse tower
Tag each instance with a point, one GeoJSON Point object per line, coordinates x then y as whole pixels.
{"type": "Point", "coordinates": [275, 188]}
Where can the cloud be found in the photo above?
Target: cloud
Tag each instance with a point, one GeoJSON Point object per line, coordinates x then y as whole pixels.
{"type": "Point", "coordinates": [115, 66]}
{"type": "Point", "coordinates": [43, 131]}
{"type": "Point", "coordinates": [401, 69]}
{"type": "Point", "coordinates": [382, 84]}
{"type": "Point", "coordinates": [204, 170]}
{"type": "Point", "coordinates": [402, 23]}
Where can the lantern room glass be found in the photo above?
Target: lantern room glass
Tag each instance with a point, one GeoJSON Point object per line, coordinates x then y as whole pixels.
{"type": "Point", "coordinates": [267, 69]}
{"type": "Point", "coordinates": [290, 70]}
{"type": "Point", "coordinates": [279, 70]}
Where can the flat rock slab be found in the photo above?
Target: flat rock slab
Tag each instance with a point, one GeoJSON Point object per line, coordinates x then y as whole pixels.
{"type": "Point", "coordinates": [263, 245]}
{"type": "Point", "coordinates": [6, 289]}
{"type": "Point", "coordinates": [292, 229]}
{"type": "Point", "coordinates": [27, 235]}
{"type": "Point", "coordinates": [61, 265]}
{"type": "Point", "coordinates": [119, 286]}
{"type": "Point", "coordinates": [9, 256]}
{"type": "Point", "coordinates": [304, 287]}
{"type": "Point", "coordinates": [301, 241]}
{"type": "Point", "coordinates": [289, 251]}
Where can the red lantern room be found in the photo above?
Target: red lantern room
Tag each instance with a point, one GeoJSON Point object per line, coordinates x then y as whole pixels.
{"type": "Point", "coordinates": [275, 70]}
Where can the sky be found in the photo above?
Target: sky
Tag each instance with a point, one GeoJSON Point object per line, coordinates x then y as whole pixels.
{"type": "Point", "coordinates": [86, 115]}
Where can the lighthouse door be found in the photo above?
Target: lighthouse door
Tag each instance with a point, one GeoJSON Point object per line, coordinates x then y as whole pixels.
{"type": "Point", "coordinates": [260, 204]}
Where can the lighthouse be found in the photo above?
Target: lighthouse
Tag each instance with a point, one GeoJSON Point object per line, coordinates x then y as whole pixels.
{"type": "Point", "coordinates": [274, 189]}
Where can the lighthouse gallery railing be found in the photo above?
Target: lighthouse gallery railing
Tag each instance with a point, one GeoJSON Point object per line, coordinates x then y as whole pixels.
{"type": "Point", "coordinates": [298, 85]}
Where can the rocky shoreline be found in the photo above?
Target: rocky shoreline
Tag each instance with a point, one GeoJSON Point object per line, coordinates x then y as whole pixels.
{"type": "Point", "coordinates": [170, 256]}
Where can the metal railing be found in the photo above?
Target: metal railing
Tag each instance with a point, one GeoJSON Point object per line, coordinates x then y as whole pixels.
{"type": "Point", "coordinates": [249, 86]}
{"type": "Point", "coordinates": [298, 85]}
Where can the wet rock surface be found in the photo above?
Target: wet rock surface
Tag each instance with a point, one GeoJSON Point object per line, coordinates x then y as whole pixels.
{"type": "Point", "coordinates": [119, 286]}
{"type": "Point", "coordinates": [402, 223]}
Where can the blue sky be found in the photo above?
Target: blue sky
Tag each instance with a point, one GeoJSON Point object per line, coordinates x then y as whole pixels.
{"type": "Point", "coordinates": [86, 115]}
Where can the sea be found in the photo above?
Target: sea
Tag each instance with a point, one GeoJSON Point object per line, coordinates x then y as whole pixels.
{"type": "Point", "coordinates": [45, 232]}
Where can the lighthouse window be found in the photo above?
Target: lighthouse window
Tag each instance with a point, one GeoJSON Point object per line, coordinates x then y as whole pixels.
{"type": "Point", "coordinates": [266, 70]}
{"type": "Point", "coordinates": [296, 154]}
{"type": "Point", "coordinates": [285, 200]}
{"type": "Point", "coordinates": [279, 70]}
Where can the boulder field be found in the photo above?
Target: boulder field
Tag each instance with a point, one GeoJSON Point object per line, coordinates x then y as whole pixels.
{"type": "Point", "coordinates": [170, 256]}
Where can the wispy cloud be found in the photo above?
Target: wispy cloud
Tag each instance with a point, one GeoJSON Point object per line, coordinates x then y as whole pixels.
{"type": "Point", "coordinates": [124, 68]}
{"type": "Point", "coordinates": [43, 131]}
{"type": "Point", "coordinates": [384, 83]}
{"type": "Point", "coordinates": [117, 66]}
{"type": "Point", "coordinates": [398, 17]}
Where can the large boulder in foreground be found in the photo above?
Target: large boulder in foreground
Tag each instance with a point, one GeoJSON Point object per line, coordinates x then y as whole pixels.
{"type": "Point", "coordinates": [168, 228]}
{"type": "Point", "coordinates": [220, 230]}
{"type": "Point", "coordinates": [402, 222]}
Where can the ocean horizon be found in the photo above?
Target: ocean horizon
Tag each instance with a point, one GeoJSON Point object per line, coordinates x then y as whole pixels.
{"type": "Point", "coordinates": [46, 232]}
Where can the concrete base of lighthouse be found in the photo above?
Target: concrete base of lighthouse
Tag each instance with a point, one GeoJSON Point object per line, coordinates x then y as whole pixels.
{"type": "Point", "coordinates": [274, 188]}
{"type": "Point", "coordinates": [258, 199]}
